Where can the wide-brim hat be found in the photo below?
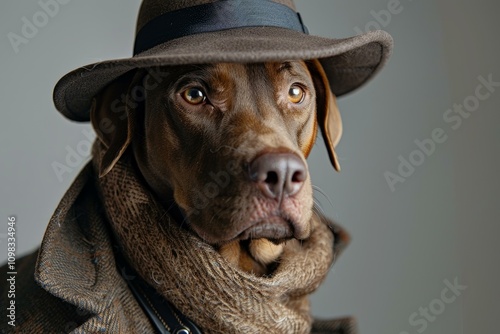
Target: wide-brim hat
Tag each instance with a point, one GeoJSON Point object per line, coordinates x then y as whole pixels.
{"type": "Point", "coordinates": [181, 32]}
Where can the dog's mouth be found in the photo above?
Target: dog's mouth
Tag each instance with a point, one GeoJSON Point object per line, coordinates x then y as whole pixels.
{"type": "Point", "coordinates": [276, 229]}
{"type": "Point", "coordinates": [263, 220]}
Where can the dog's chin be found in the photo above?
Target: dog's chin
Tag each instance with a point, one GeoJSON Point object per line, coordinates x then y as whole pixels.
{"type": "Point", "coordinates": [275, 228]}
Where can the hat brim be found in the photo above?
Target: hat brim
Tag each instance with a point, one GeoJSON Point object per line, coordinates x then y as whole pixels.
{"type": "Point", "coordinates": [348, 63]}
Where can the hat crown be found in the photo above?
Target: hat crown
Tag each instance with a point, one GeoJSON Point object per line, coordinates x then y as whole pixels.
{"type": "Point", "coordinates": [150, 9]}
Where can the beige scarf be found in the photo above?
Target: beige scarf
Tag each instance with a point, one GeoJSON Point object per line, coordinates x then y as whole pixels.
{"type": "Point", "coordinates": [193, 276]}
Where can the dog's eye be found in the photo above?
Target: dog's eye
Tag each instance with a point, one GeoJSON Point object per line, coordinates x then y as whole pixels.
{"type": "Point", "coordinates": [296, 94]}
{"type": "Point", "coordinates": [194, 96]}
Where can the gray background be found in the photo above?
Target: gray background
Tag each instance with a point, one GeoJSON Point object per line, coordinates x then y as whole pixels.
{"type": "Point", "coordinates": [440, 224]}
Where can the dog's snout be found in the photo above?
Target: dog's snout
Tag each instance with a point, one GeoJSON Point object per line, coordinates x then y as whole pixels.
{"type": "Point", "coordinates": [278, 174]}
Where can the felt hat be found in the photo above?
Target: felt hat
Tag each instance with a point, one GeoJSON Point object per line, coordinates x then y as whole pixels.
{"type": "Point", "coordinates": [181, 32]}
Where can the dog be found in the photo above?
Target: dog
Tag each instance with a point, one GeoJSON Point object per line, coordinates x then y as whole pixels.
{"type": "Point", "coordinates": [196, 212]}
{"type": "Point", "coordinates": [261, 119]}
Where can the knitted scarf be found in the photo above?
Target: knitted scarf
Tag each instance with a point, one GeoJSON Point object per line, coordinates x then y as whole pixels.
{"type": "Point", "coordinates": [193, 276]}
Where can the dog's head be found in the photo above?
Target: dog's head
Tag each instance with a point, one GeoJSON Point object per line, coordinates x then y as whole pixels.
{"type": "Point", "coordinates": [226, 142]}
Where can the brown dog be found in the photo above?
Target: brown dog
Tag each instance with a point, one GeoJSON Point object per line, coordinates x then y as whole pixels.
{"type": "Point", "coordinates": [196, 212]}
{"type": "Point", "coordinates": [228, 143]}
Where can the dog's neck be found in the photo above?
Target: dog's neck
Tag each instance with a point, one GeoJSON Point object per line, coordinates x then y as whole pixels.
{"type": "Point", "coordinates": [162, 192]}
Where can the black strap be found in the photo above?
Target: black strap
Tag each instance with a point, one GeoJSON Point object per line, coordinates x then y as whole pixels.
{"type": "Point", "coordinates": [155, 320]}
{"type": "Point", "coordinates": [164, 317]}
{"type": "Point", "coordinates": [216, 16]}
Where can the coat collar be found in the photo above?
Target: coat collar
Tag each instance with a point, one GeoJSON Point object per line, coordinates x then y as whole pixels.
{"type": "Point", "coordinates": [76, 261]}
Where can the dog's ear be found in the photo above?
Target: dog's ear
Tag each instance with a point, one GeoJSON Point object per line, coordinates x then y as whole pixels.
{"type": "Point", "coordinates": [329, 118]}
{"type": "Point", "coordinates": [112, 116]}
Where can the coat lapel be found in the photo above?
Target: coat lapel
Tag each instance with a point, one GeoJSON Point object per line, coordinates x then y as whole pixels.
{"type": "Point", "coordinates": [76, 263]}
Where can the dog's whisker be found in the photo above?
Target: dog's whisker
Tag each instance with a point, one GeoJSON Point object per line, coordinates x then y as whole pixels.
{"type": "Point", "coordinates": [215, 214]}
{"type": "Point", "coordinates": [325, 195]}
{"type": "Point", "coordinates": [317, 207]}
{"type": "Point", "coordinates": [184, 221]}
{"type": "Point", "coordinates": [165, 213]}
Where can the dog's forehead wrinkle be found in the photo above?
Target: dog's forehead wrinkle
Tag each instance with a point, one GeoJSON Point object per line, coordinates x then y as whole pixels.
{"type": "Point", "coordinates": [293, 68]}
{"type": "Point", "coordinates": [257, 82]}
{"type": "Point", "coordinates": [285, 66]}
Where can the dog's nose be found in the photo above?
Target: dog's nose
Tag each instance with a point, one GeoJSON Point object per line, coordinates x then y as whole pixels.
{"type": "Point", "coordinates": [278, 174]}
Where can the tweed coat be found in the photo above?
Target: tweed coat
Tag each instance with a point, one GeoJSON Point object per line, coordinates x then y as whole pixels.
{"type": "Point", "coordinates": [71, 284]}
